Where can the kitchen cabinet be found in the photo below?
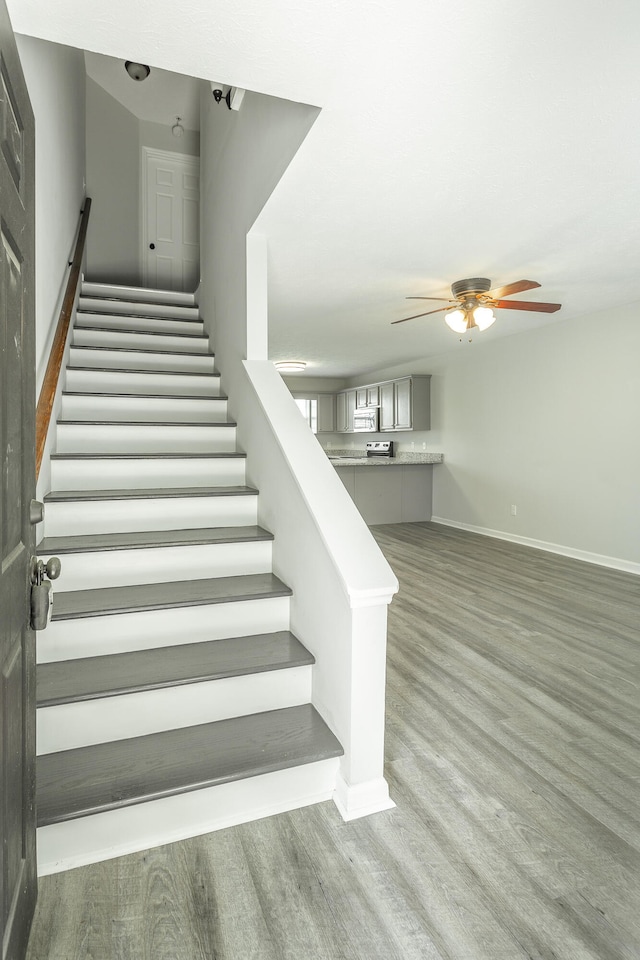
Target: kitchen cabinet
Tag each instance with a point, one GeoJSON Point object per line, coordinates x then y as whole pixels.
{"type": "Point", "coordinates": [326, 413]}
{"type": "Point", "coordinates": [345, 408]}
{"type": "Point", "coordinates": [404, 404]}
{"type": "Point", "coordinates": [367, 397]}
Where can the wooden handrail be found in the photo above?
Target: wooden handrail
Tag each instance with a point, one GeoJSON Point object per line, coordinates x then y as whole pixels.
{"type": "Point", "coordinates": [50, 382]}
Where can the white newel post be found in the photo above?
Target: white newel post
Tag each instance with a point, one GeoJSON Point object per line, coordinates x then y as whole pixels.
{"type": "Point", "coordinates": [361, 788]}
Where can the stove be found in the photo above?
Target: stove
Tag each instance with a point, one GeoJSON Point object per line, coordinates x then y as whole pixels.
{"type": "Point", "coordinates": [380, 448]}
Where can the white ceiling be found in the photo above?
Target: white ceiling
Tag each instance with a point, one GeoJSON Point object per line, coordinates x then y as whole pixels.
{"type": "Point", "coordinates": [456, 139]}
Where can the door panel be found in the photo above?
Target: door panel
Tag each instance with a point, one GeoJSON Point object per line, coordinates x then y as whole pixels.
{"type": "Point", "coordinates": [171, 221]}
{"type": "Point", "coordinates": [17, 489]}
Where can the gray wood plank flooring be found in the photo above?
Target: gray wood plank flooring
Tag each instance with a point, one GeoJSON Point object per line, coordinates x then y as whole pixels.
{"type": "Point", "coordinates": [513, 754]}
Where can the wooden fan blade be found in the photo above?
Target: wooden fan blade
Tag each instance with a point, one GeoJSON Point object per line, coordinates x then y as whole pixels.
{"type": "Point", "coordinates": [415, 316]}
{"type": "Point", "coordinates": [518, 287]}
{"type": "Point", "coordinates": [526, 305]}
{"type": "Point", "coordinates": [445, 299]}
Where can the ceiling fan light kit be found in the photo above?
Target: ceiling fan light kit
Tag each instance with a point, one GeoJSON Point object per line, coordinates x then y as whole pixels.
{"type": "Point", "coordinates": [474, 301]}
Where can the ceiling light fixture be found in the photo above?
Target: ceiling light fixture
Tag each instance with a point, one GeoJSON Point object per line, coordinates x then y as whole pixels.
{"type": "Point", "coordinates": [177, 129]}
{"type": "Point", "coordinates": [290, 366]}
{"type": "Point", "coordinates": [137, 71]}
{"type": "Point", "coordinates": [468, 316]}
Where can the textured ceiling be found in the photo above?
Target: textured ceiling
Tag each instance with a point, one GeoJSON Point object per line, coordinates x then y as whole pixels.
{"type": "Point", "coordinates": [456, 139]}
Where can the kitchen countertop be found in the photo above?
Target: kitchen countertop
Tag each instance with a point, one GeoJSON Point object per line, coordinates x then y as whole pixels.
{"type": "Point", "coordinates": [340, 458]}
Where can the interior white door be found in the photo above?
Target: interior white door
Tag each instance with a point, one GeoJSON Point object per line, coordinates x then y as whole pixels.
{"type": "Point", "coordinates": [171, 221]}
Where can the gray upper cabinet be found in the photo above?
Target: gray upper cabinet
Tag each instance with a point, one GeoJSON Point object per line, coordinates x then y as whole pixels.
{"type": "Point", "coordinates": [345, 407]}
{"type": "Point", "coordinates": [404, 404]}
{"type": "Point", "coordinates": [326, 413]}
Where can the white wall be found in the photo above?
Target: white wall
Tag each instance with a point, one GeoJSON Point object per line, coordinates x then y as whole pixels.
{"type": "Point", "coordinates": [549, 421]}
{"type": "Point", "coordinates": [158, 136]}
{"type": "Point", "coordinates": [55, 80]}
{"type": "Point", "coordinates": [244, 155]}
{"type": "Point", "coordinates": [341, 583]}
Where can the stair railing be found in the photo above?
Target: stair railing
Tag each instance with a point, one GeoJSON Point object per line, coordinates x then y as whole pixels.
{"type": "Point", "coordinates": [52, 373]}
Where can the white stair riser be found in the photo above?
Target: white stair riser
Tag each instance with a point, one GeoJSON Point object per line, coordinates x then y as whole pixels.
{"type": "Point", "coordinates": [143, 408]}
{"type": "Point", "coordinates": [124, 322]}
{"type": "Point", "coordinates": [83, 337]}
{"type": "Point", "coordinates": [118, 291]}
{"type": "Point", "coordinates": [124, 474]}
{"type": "Point", "coordinates": [134, 438]}
{"type": "Point", "coordinates": [103, 836]}
{"type": "Point", "coordinates": [118, 381]}
{"type": "Point", "coordinates": [99, 636]}
{"type": "Point", "coordinates": [148, 308]}
{"type": "Point", "coordinates": [134, 360]}
{"type": "Point", "coordinates": [118, 568]}
{"type": "Point", "coordinates": [71, 518]}
{"type": "Point", "coordinates": [72, 725]}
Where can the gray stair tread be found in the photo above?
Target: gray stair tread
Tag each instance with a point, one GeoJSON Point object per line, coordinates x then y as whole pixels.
{"type": "Point", "coordinates": [98, 542]}
{"type": "Point", "coordinates": [76, 783]}
{"type": "Point", "coordinates": [89, 678]}
{"type": "Point", "coordinates": [149, 423]}
{"type": "Point", "coordinates": [153, 373]}
{"type": "Point", "coordinates": [133, 598]}
{"type": "Point", "coordinates": [145, 333]}
{"type": "Point", "coordinates": [170, 353]}
{"type": "Point", "coordinates": [145, 493]}
{"type": "Point", "coordinates": [148, 456]}
{"type": "Point", "coordinates": [131, 315]}
{"type": "Point", "coordinates": [141, 396]}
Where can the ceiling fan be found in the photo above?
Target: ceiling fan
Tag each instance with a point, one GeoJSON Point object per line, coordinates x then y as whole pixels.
{"type": "Point", "coordinates": [473, 303]}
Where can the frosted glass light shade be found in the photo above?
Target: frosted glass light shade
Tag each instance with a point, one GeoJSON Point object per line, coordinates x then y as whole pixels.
{"type": "Point", "coordinates": [483, 317]}
{"type": "Point", "coordinates": [457, 321]}
{"type": "Point", "coordinates": [290, 366]}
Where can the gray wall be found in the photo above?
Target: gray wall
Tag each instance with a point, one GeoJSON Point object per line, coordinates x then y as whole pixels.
{"type": "Point", "coordinates": [549, 421]}
{"type": "Point", "coordinates": [115, 138]}
{"type": "Point", "coordinates": [55, 80]}
{"type": "Point", "coordinates": [112, 183]}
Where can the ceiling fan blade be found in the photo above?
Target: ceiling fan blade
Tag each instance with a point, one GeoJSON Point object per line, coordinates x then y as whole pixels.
{"type": "Point", "coordinates": [518, 287]}
{"type": "Point", "coordinates": [445, 299]}
{"type": "Point", "coordinates": [415, 316]}
{"type": "Point", "coordinates": [525, 305]}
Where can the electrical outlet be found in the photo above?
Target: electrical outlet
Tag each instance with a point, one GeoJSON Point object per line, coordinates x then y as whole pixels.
{"type": "Point", "coordinates": [424, 445]}
{"type": "Point", "coordinates": [514, 510]}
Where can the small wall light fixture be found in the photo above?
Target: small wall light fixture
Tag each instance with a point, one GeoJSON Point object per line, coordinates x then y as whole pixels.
{"type": "Point", "coordinates": [137, 71]}
{"type": "Point", "coordinates": [290, 366]}
{"type": "Point", "coordinates": [177, 129]}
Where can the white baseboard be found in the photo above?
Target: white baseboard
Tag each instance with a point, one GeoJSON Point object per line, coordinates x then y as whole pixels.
{"type": "Point", "coordinates": [626, 566]}
{"type": "Point", "coordinates": [361, 799]}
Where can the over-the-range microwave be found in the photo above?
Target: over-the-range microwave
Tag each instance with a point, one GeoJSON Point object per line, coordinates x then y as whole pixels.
{"type": "Point", "coordinates": [365, 420]}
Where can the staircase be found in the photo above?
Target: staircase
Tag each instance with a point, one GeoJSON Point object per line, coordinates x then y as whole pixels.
{"type": "Point", "coordinates": [172, 698]}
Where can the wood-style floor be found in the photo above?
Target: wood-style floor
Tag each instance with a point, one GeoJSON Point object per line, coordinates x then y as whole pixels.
{"type": "Point", "coordinates": [513, 754]}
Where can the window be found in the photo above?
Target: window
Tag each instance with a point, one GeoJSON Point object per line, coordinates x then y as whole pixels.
{"type": "Point", "coordinates": [309, 410]}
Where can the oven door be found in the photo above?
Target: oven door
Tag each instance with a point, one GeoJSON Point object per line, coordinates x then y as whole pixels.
{"type": "Point", "coordinates": [365, 420]}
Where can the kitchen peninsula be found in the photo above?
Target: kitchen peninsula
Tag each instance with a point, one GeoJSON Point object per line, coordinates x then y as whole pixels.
{"type": "Point", "coordinates": [388, 489]}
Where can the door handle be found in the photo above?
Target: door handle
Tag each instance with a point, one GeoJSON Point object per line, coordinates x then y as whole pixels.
{"type": "Point", "coordinates": [152, 246]}
{"type": "Point", "coordinates": [41, 602]}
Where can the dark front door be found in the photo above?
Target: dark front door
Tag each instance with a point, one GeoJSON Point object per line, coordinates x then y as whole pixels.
{"type": "Point", "coordinates": [17, 488]}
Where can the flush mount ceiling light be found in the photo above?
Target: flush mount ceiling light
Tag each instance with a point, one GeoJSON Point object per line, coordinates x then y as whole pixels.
{"type": "Point", "coordinates": [177, 129]}
{"type": "Point", "coordinates": [137, 71]}
{"type": "Point", "coordinates": [290, 366]}
{"type": "Point", "coordinates": [474, 301]}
